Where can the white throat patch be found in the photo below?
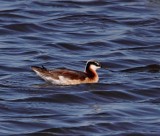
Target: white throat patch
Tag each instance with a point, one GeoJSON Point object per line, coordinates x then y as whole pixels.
{"type": "Point", "coordinates": [94, 67]}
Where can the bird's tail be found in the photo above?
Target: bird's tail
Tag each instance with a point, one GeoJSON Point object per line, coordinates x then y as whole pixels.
{"type": "Point", "coordinates": [39, 69]}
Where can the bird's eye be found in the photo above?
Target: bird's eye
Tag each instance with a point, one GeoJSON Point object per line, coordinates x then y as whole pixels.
{"type": "Point", "coordinates": [97, 64]}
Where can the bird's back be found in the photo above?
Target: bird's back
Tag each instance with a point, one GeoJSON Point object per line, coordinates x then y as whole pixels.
{"type": "Point", "coordinates": [61, 76]}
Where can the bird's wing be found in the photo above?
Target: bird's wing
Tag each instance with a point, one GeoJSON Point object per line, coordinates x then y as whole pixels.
{"type": "Point", "coordinates": [67, 73]}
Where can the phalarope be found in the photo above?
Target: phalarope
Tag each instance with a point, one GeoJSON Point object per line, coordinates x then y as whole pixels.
{"type": "Point", "coordinates": [64, 76]}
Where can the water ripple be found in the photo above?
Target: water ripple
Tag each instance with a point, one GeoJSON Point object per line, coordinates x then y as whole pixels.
{"type": "Point", "coordinates": [122, 35]}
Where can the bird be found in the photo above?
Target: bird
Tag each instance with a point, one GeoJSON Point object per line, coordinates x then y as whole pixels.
{"type": "Point", "coordinates": [65, 76]}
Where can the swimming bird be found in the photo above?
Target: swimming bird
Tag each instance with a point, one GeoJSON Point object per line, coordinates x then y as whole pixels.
{"type": "Point", "coordinates": [64, 76]}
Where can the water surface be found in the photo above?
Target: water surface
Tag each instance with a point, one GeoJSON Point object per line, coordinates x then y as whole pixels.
{"type": "Point", "coordinates": [123, 35]}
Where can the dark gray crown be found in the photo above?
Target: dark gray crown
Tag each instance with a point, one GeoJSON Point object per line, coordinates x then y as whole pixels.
{"type": "Point", "coordinates": [93, 62]}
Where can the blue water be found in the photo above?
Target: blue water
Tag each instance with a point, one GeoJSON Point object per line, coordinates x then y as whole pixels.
{"type": "Point", "coordinates": [123, 35]}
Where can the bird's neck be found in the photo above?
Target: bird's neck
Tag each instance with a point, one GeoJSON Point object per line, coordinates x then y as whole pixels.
{"type": "Point", "coordinates": [91, 73]}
